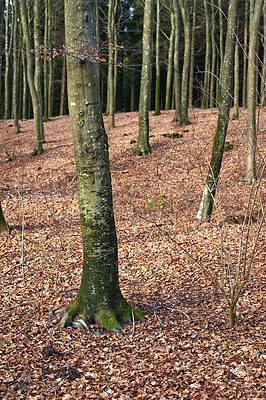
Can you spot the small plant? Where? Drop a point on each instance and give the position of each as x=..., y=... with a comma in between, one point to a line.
x=156, y=202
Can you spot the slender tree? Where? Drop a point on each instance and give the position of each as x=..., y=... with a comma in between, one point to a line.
x=8, y=46
x=143, y=146
x=157, y=63
x=47, y=62
x=15, y=67
x=1, y=54
x=177, y=89
x=251, y=91
x=3, y=224
x=37, y=109
x=205, y=94
x=245, y=48
x=236, y=82
x=186, y=64
x=213, y=64
x=99, y=298
x=206, y=204
x=169, y=76
x=192, y=56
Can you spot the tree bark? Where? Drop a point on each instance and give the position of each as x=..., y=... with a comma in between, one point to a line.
x=169, y=76
x=1, y=53
x=8, y=45
x=63, y=86
x=37, y=125
x=15, y=68
x=244, y=84
x=236, y=81
x=157, y=62
x=186, y=64
x=192, y=56
x=213, y=67
x=143, y=146
x=251, y=92
x=177, y=89
x=3, y=224
x=205, y=94
x=206, y=205
x=99, y=298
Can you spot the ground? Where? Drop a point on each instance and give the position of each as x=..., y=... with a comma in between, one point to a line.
x=183, y=349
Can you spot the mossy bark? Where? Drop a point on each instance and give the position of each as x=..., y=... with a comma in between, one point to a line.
x=143, y=146
x=99, y=298
x=207, y=200
x=3, y=224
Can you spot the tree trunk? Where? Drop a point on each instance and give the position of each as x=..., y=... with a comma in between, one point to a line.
x=99, y=298
x=132, y=91
x=110, y=78
x=205, y=94
x=157, y=61
x=47, y=62
x=15, y=68
x=37, y=56
x=143, y=146
x=37, y=125
x=25, y=84
x=63, y=85
x=3, y=224
x=186, y=64
x=1, y=53
x=169, y=76
x=263, y=83
x=236, y=81
x=206, y=205
x=177, y=90
x=213, y=68
x=251, y=93
x=192, y=56
x=244, y=85
x=8, y=45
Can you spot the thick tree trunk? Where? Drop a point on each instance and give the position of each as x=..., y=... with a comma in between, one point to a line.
x=251, y=93
x=206, y=205
x=186, y=64
x=143, y=146
x=157, y=61
x=169, y=76
x=99, y=298
x=3, y=224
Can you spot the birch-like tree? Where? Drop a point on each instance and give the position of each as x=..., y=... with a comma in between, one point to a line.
x=207, y=200
x=99, y=298
x=143, y=146
x=157, y=110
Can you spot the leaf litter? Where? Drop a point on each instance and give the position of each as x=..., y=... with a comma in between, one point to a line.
x=183, y=349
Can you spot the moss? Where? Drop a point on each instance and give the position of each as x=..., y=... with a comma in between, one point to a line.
x=142, y=152
x=228, y=146
x=107, y=319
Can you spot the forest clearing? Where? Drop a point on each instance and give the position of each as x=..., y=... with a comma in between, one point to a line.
x=183, y=348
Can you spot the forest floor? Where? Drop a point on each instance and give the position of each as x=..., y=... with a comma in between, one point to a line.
x=184, y=348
